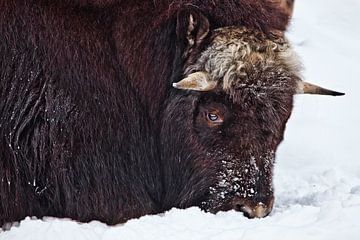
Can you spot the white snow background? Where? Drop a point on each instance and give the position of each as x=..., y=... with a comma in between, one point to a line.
x=317, y=175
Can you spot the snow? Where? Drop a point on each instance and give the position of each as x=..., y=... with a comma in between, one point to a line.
x=317, y=175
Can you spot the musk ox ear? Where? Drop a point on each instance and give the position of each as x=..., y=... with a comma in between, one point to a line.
x=197, y=81
x=192, y=29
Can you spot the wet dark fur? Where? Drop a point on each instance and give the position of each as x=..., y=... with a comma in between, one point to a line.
x=86, y=123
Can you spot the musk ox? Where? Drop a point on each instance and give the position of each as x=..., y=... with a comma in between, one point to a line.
x=110, y=109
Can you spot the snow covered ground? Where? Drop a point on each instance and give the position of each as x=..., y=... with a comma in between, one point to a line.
x=317, y=175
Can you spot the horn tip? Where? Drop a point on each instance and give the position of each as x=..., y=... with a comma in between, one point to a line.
x=338, y=94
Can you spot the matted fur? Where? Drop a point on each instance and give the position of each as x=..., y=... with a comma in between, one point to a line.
x=234, y=53
x=90, y=128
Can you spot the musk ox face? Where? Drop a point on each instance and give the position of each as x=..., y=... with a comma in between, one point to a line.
x=241, y=139
x=242, y=87
x=234, y=99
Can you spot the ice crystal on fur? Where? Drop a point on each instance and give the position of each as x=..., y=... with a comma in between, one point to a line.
x=238, y=177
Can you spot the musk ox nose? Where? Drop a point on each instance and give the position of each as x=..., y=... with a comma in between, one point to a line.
x=253, y=209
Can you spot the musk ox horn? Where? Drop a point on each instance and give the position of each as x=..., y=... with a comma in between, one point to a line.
x=308, y=88
x=197, y=81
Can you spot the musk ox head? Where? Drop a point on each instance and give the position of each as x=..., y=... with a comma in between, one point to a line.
x=234, y=97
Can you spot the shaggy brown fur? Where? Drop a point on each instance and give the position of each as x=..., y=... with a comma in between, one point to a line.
x=89, y=126
x=235, y=53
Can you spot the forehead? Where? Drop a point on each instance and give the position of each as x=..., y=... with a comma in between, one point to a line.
x=243, y=60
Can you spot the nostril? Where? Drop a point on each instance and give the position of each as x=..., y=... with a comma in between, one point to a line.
x=238, y=204
x=252, y=209
x=240, y=207
x=248, y=212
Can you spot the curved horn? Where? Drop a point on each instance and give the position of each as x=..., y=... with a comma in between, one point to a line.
x=198, y=81
x=308, y=88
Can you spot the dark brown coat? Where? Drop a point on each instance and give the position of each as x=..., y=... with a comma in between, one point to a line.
x=86, y=124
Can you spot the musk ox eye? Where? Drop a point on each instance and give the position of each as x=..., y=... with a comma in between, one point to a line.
x=214, y=118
